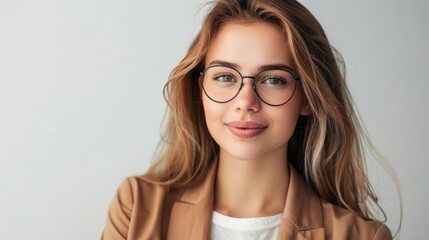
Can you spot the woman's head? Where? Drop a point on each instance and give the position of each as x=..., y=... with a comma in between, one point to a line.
x=324, y=146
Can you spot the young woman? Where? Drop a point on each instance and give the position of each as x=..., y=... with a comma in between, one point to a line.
x=262, y=141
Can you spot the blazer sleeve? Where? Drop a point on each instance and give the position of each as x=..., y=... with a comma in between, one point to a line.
x=383, y=233
x=119, y=214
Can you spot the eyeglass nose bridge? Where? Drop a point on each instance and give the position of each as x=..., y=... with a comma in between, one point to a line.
x=253, y=85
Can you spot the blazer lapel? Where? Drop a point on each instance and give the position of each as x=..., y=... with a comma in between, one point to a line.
x=191, y=213
x=302, y=215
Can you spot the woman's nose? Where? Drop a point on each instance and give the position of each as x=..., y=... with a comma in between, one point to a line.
x=247, y=99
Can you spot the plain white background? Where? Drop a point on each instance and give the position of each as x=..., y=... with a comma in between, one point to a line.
x=81, y=101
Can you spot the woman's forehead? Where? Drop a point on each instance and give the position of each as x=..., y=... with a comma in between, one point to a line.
x=249, y=45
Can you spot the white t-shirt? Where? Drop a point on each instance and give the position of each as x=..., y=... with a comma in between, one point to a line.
x=261, y=228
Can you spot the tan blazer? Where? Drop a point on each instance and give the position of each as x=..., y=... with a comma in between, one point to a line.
x=142, y=210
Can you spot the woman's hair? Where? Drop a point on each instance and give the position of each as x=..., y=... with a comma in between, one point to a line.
x=326, y=147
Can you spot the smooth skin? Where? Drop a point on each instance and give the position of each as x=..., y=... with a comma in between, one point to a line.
x=252, y=169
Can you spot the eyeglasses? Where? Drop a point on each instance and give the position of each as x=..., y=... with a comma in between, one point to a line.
x=274, y=86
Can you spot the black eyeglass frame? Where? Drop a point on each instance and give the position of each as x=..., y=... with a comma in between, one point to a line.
x=287, y=69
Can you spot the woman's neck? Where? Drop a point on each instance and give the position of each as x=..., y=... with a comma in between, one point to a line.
x=251, y=188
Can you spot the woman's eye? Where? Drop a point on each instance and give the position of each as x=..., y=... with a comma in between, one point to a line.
x=274, y=81
x=224, y=78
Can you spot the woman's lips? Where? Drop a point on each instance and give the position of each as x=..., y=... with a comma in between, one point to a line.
x=246, y=129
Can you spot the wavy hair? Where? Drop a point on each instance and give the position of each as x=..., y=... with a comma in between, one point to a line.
x=326, y=147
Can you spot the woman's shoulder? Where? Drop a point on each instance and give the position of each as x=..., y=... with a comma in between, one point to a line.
x=136, y=199
x=344, y=223
x=307, y=210
x=137, y=188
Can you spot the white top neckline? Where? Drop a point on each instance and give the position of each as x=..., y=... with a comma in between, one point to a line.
x=243, y=224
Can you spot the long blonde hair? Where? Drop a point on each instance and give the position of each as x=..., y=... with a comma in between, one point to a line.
x=326, y=147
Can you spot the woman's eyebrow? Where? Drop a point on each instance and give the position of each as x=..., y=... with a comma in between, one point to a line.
x=225, y=63
x=260, y=68
x=274, y=66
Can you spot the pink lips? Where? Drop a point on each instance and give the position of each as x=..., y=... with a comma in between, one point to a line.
x=246, y=129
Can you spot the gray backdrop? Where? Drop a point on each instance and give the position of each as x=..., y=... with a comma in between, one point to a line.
x=81, y=101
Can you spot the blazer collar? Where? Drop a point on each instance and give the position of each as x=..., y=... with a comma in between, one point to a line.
x=191, y=213
x=203, y=190
x=302, y=216
x=303, y=207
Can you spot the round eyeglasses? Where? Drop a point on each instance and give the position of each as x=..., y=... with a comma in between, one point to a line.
x=274, y=86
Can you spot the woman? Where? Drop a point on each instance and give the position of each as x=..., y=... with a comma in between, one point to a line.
x=262, y=141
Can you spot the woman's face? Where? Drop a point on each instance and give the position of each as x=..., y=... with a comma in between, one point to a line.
x=245, y=127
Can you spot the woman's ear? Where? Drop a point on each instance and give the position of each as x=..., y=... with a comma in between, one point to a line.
x=200, y=81
x=305, y=108
x=199, y=75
